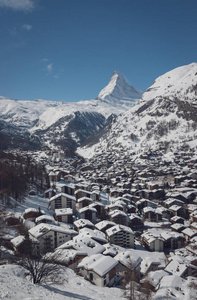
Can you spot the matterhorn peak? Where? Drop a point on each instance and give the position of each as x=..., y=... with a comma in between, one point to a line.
x=118, y=89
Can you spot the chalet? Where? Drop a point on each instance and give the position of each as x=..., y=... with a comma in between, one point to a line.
x=177, y=210
x=18, y=244
x=131, y=209
x=66, y=257
x=54, y=176
x=85, y=244
x=178, y=227
x=171, y=201
x=193, y=216
x=32, y=213
x=152, y=240
x=177, y=219
x=140, y=204
x=83, y=201
x=104, y=225
x=68, y=189
x=153, y=185
x=69, y=178
x=122, y=203
x=81, y=223
x=12, y=220
x=135, y=222
x=189, y=233
x=114, y=206
x=154, y=277
x=119, y=217
x=50, y=236
x=86, y=186
x=121, y=235
x=116, y=193
x=88, y=213
x=98, y=269
x=177, y=266
x=94, y=234
x=193, y=225
x=173, y=240
x=94, y=195
x=62, y=201
x=151, y=214
x=151, y=263
x=45, y=219
x=50, y=193
x=64, y=215
x=128, y=260
x=100, y=209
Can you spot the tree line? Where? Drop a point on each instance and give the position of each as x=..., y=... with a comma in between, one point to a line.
x=18, y=175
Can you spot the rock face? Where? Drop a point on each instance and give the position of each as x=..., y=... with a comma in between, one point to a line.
x=165, y=117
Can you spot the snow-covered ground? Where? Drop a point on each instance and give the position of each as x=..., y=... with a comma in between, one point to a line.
x=15, y=286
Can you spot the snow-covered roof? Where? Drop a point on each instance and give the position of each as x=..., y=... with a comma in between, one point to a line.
x=98, y=263
x=84, y=198
x=63, y=211
x=81, y=210
x=189, y=232
x=118, y=228
x=17, y=241
x=129, y=258
x=83, y=243
x=45, y=217
x=82, y=223
x=103, y=224
x=64, y=195
x=43, y=228
x=94, y=234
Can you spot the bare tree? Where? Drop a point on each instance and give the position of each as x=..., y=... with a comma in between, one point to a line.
x=129, y=282
x=133, y=289
x=40, y=270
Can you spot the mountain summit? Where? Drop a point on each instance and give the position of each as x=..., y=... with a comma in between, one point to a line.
x=118, y=89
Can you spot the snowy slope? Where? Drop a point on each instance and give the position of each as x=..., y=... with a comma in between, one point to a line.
x=15, y=286
x=163, y=117
x=180, y=82
x=23, y=113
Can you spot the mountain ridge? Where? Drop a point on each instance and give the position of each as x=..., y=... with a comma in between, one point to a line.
x=163, y=116
x=54, y=123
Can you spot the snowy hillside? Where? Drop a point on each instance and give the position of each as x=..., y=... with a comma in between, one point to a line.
x=166, y=116
x=14, y=285
x=180, y=82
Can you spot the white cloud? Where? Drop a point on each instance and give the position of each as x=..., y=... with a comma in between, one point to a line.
x=49, y=67
x=24, y=5
x=27, y=27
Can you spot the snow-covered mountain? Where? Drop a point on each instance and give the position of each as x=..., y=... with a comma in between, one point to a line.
x=165, y=117
x=119, y=90
x=63, y=124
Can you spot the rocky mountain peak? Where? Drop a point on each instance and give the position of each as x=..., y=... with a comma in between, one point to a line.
x=118, y=89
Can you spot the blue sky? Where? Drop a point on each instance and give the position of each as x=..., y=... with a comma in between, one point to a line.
x=68, y=49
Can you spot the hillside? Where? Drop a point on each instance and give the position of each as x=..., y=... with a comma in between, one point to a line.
x=165, y=117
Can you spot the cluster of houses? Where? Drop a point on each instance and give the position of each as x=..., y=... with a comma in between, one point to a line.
x=113, y=215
